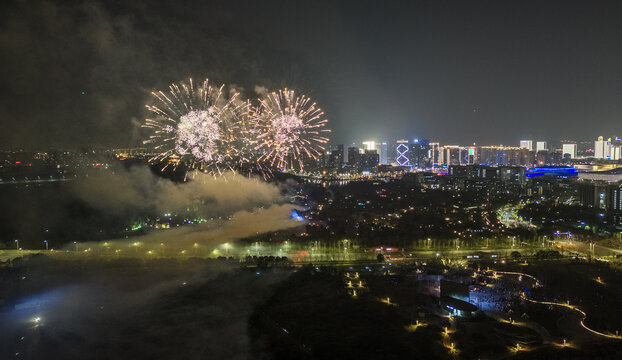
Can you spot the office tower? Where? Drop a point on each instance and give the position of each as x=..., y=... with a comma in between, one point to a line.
x=334, y=160
x=435, y=154
x=513, y=156
x=601, y=195
x=419, y=153
x=542, y=158
x=468, y=155
x=526, y=144
x=402, y=150
x=369, y=160
x=452, y=155
x=340, y=156
x=353, y=155
x=487, y=155
x=526, y=157
x=384, y=153
x=541, y=146
x=369, y=145
x=602, y=148
x=501, y=157
x=570, y=149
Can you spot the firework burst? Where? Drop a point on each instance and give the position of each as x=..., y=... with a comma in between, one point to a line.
x=288, y=129
x=199, y=123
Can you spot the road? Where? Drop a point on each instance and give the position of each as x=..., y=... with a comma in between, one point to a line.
x=584, y=248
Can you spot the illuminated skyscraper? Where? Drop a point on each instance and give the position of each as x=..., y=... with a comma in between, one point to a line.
x=435, y=154
x=451, y=155
x=541, y=146
x=384, y=153
x=402, y=150
x=468, y=155
x=419, y=153
x=369, y=145
x=569, y=149
x=602, y=148
x=526, y=144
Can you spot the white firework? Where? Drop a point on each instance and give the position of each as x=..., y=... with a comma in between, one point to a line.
x=200, y=124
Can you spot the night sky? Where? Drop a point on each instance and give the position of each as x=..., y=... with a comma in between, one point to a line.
x=455, y=71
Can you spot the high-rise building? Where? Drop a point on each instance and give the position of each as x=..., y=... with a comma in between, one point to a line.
x=402, y=150
x=526, y=144
x=384, y=153
x=526, y=157
x=435, y=154
x=541, y=146
x=353, y=155
x=487, y=155
x=341, y=156
x=542, y=158
x=369, y=160
x=468, y=155
x=334, y=159
x=451, y=155
x=513, y=156
x=602, y=148
x=602, y=195
x=419, y=153
x=369, y=145
x=570, y=149
x=501, y=157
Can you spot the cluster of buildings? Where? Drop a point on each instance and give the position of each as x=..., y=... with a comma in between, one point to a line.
x=421, y=154
x=602, y=190
x=593, y=169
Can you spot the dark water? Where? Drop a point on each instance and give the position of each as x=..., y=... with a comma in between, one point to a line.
x=51, y=211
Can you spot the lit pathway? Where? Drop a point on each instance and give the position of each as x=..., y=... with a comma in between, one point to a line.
x=582, y=313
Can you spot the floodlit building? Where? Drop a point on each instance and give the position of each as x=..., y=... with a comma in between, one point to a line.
x=541, y=146
x=602, y=148
x=570, y=149
x=369, y=145
x=526, y=144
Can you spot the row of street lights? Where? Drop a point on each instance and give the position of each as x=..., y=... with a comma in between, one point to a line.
x=47, y=245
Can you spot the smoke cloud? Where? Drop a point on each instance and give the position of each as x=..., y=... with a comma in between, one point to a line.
x=235, y=207
x=196, y=240
x=139, y=189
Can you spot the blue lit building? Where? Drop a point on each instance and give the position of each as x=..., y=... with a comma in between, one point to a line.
x=560, y=172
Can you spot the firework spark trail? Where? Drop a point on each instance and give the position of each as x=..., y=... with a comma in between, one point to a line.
x=198, y=121
x=218, y=134
x=288, y=129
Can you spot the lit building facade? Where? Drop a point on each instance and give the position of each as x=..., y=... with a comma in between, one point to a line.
x=570, y=149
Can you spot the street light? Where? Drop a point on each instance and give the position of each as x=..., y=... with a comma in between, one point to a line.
x=46, y=245
x=16, y=244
